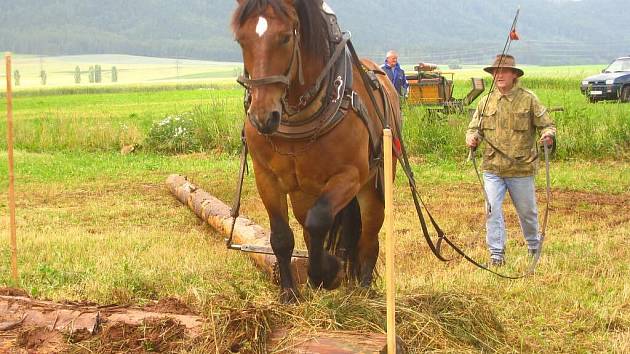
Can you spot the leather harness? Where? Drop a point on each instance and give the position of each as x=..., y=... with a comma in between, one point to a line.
x=330, y=98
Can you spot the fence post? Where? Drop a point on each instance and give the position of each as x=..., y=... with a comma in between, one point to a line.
x=12, y=232
x=390, y=277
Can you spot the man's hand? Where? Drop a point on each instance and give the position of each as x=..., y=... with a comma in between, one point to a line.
x=546, y=139
x=472, y=141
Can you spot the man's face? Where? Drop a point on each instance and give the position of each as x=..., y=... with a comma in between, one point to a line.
x=504, y=79
x=392, y=60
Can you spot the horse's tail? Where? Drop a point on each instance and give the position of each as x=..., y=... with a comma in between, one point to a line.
x=343, y=237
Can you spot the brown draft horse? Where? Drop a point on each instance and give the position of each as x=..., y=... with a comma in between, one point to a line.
x=329, y=172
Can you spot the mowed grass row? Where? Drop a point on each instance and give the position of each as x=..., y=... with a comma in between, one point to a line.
x=109, y=120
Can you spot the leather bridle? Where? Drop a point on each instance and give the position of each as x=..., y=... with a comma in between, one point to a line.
x=285, y=79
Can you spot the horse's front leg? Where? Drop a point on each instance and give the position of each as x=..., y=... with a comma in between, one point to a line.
x=324, y=268
x=282, y=241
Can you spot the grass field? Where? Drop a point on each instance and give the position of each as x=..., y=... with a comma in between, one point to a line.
x=95, y=225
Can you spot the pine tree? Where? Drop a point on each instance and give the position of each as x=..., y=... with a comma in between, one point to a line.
x=97, y=73
x=77, y=75
x=16, y=77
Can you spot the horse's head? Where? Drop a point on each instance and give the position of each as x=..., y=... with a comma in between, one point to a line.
x=267, y=31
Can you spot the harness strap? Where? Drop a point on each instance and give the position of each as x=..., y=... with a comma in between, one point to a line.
x=419, y=204
x=543, y=230
x=285, y=79
x=280, y=79
x=236, y=202
x=473, y=158
x=324, y=73
x=359, y=107
x=366, y=82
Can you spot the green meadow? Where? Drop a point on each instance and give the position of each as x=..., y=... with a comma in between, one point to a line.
x=100, y=226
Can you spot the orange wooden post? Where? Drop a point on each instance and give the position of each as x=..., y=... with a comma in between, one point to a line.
x=390, y=277
x=12, y=236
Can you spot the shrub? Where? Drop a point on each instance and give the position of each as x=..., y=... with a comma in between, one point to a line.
x=174, y=134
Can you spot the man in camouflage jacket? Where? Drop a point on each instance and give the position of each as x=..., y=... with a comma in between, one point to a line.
x=508, y=120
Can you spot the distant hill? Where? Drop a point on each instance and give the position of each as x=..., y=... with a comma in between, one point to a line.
x=464, y=31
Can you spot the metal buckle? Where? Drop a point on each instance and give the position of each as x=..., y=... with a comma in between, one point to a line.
x=337, y=84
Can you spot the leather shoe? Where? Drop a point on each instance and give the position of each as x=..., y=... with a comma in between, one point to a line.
x=532, y=252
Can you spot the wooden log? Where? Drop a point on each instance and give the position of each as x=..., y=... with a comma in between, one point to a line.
x=17, y=311
x=337, y=342
x=217, y=214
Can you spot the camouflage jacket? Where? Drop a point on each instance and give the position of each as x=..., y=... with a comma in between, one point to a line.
x=509, y=123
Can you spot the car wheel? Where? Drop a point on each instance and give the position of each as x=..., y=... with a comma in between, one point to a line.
x=625, y=94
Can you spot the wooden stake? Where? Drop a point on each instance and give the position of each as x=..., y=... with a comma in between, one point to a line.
x=12, y=236
x=389, y=243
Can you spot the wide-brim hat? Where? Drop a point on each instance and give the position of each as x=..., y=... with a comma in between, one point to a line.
x=504, y=61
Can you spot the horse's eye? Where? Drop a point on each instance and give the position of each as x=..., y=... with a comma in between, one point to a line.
x=285, y=39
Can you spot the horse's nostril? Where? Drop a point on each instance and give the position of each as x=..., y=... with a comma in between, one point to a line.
x=272, y=123
x=275, y=117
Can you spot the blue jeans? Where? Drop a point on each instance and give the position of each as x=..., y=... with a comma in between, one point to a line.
x=523, y=194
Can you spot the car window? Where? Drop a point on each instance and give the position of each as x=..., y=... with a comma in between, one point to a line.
x=619, y=65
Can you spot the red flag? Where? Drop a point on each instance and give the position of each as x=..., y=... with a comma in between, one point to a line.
x=514, y=35
x=397, y=147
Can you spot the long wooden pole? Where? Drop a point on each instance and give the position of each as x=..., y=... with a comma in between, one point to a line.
x=390, y=277
x=12, y=232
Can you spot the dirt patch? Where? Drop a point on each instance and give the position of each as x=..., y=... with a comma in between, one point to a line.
x=41, y=340
x=576, y=198
x=170, y=305
x=155, y=335
x=13, y=292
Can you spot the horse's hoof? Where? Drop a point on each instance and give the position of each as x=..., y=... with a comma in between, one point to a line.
x=333, y=274
x=370, y=293
x=288, y=296
x=315, y=281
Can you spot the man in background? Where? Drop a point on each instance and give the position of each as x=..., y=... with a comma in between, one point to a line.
x=395, y=73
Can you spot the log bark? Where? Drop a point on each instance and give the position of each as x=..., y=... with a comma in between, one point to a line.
x=17, y=311
x=217, y=214
x=337, y=342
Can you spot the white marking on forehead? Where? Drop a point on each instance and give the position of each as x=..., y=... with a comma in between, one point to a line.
x=262, y=26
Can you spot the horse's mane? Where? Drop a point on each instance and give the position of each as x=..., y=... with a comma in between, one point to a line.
x=313, y=26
